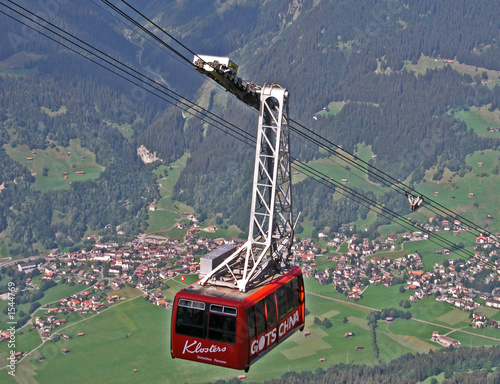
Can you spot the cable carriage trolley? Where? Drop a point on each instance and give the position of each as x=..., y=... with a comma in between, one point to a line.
x=249, y=298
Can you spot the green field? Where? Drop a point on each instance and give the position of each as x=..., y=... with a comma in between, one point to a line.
x=61, y=291
x=169, y=212
x=480, y=181
x=125, y=129
x=425, y=63
x=337, y=168
x=333, y=108
x=57, y=161
x=453, y=193
x=18, y=60
x=106, y=354
x=162, y=221
x=480, y=119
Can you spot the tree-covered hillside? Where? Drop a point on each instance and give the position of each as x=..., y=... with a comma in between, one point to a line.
x=49, y=98
x=359, y=54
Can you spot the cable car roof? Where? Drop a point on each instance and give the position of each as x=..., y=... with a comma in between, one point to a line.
x=234, y=294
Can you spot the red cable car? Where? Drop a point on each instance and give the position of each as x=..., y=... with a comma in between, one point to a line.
x=233, y=329
x=243, y=307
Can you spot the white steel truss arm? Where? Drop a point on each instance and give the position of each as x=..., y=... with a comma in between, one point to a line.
x=270, y=235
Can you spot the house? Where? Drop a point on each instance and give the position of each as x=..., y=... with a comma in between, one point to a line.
x=354, y=295
x=481, y=240
x=26, y=267
x=112, y=299
x=493, y=303
x=479, y=316
x=448, y=341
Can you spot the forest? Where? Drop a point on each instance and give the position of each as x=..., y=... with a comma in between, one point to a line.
x=347, y=52
x=464, y=365
x=411, y=112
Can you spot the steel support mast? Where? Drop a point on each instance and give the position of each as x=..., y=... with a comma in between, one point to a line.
x=268, y=248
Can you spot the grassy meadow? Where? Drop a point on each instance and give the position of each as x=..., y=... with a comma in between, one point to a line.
x=425, y=63
x=333, y=108
x=135, y=334
x=168, y=212
x=480, y=119
x=162, y=221
x=57, y=161
x=340, y=168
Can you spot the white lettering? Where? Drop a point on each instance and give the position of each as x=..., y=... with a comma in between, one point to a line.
x=220, y=361
x=288, y=324
x=195, y=347
x=264, y=341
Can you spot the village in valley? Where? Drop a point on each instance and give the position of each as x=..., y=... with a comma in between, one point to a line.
x=347, y=262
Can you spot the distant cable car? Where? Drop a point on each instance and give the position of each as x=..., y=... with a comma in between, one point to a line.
x=415, y=201
x=233, y=329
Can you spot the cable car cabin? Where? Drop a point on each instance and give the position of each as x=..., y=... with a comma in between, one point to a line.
x=233, y=329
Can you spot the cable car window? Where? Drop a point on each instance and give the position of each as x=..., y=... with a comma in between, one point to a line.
x=289, y=296
x=222, y=328
x=221, y=309
x=251, y=323
x=230, y=311
x=261, y=317
x=280, y=295
x=190, y=318
x=271, y=311
x=216, y=308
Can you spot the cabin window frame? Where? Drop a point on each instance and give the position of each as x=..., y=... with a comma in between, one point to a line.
x=190, y=319
x=222, y=324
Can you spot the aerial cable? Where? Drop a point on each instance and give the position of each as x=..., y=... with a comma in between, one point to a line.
x=146, y=36
x=303, y=166
x=382, y=210
x=389, y=180
x=375, y=186
x=418, y=212
x=386, y=179
x=139, y=76
x=119, y=11
x=310, y=143
x=371, y=170
x=189, y=107
x=194, y=54
x=343, y=157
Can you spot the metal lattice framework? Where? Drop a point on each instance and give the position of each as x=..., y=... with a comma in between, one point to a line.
x=270, y=236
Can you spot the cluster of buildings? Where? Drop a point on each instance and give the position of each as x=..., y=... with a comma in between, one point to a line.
x=92, y=301
x=348, y=262
x=450, y=280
